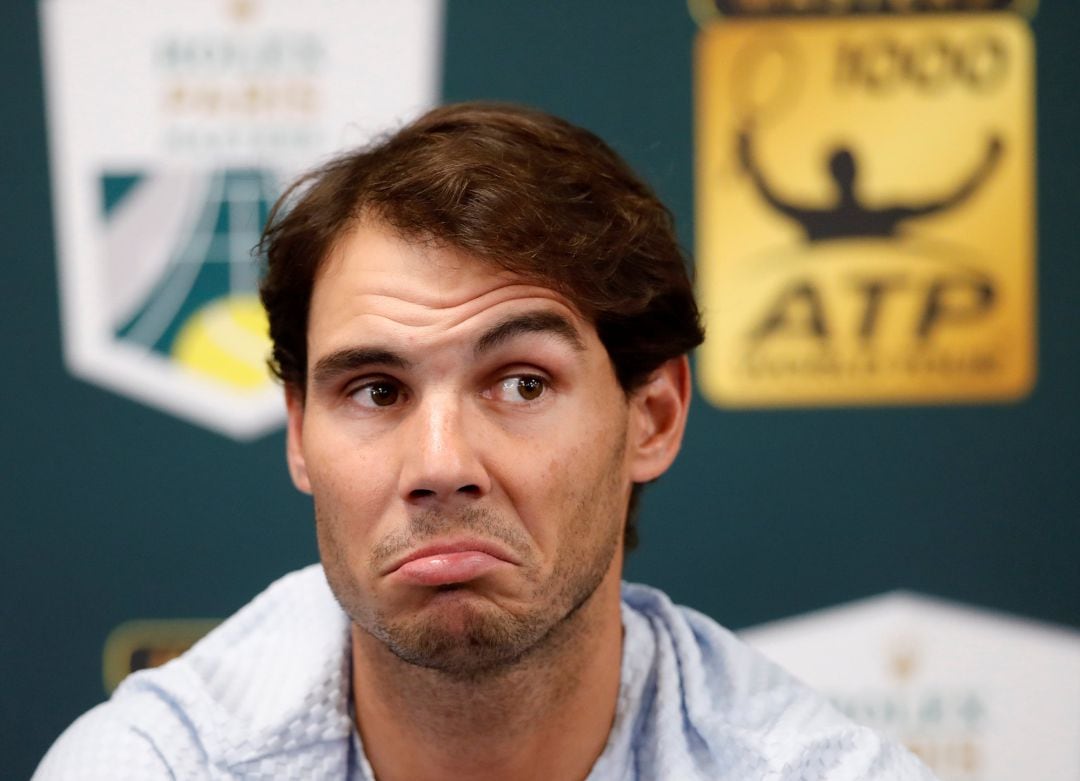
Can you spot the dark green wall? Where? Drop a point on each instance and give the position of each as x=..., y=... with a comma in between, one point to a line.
x=111, y=510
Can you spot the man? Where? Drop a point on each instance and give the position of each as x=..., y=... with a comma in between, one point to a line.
x=481, y=323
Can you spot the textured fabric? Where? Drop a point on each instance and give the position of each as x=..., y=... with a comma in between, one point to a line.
x=266, y=696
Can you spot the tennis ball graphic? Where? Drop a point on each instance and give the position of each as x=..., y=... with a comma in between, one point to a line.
x=227, y=341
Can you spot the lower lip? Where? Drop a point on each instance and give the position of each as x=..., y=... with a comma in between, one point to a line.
x=443, y=569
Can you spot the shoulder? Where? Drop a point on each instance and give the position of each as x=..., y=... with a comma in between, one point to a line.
x=103, y=744
x=268, y=676
x=737, y=713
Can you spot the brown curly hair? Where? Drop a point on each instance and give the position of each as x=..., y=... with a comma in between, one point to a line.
x=520, y=189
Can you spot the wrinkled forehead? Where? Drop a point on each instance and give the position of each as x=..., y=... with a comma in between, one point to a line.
x=377, y=280
x=372, y=258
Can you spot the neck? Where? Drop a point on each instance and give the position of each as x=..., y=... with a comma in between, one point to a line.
x=547, y=716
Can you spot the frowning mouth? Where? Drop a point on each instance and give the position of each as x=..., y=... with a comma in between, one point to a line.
x=444, y=563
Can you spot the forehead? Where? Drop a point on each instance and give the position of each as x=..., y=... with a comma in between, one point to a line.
x=375, y=282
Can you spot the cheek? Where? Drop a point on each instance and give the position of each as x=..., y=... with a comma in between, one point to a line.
x=539, y=485
x=571, y=495
x=351, y=488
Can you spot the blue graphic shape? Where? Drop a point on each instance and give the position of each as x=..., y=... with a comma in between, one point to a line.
x=214, y=260
x=115, y=188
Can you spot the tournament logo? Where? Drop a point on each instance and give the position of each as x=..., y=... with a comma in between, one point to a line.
x=977, y=695
x=865, y=209
x=173, y=128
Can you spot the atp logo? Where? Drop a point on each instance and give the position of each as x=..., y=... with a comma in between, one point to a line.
x=800, y=304
x=865, y=209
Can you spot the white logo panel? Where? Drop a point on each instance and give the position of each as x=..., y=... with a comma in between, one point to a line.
x=977, y=695
x=173, y=128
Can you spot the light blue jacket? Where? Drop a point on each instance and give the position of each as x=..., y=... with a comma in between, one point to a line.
x=266, y=696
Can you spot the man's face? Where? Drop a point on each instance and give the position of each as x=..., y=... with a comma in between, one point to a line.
x=469, y=451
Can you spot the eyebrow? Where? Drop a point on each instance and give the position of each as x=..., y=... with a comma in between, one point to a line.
x=352, y=358
x=531, y=323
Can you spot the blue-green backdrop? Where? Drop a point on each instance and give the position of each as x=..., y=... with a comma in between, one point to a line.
x=111, y=510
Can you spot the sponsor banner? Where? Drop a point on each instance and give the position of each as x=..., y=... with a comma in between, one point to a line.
x=865, y=209
x=979, y=696
x=704, y=10
x=173, y=128
x=141, y=644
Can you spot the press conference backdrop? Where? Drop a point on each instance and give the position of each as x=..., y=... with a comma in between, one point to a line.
x=882, y=214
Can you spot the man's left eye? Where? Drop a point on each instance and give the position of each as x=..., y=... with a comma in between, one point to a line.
x=521, y=388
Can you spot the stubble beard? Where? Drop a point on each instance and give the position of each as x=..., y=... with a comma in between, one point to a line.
x=482, y=639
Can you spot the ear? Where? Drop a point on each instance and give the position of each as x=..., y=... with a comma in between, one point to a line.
x=294, y=439
x=658, y=412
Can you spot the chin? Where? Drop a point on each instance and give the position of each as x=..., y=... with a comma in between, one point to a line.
x=463, y=635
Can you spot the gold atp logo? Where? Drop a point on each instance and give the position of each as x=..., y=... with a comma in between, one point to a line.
x=864, y=209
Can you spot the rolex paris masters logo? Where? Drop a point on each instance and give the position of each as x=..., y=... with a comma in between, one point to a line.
x=176, y=292
x=173, y=128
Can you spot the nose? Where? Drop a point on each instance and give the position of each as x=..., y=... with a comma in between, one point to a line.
x=441, y=463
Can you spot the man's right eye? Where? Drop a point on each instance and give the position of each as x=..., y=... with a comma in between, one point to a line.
x=380, y=393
